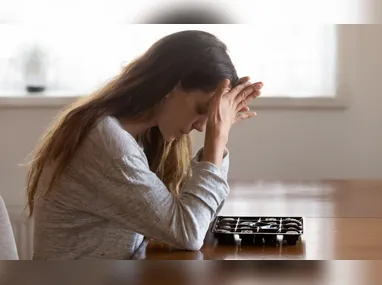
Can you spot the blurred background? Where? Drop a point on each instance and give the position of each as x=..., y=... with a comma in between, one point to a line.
x=320, y=115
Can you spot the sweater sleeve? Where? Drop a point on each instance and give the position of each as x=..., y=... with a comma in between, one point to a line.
x=225, y=163
x=135, y=197
x=223, y=169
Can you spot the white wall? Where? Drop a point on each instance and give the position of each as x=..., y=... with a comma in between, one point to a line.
x=278, y=143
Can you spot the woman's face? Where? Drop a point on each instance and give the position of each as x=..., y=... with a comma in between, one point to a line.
x=183, y=112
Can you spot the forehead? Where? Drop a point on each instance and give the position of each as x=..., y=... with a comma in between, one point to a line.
x=200, y=99
x=202, y=95
x=206, y=95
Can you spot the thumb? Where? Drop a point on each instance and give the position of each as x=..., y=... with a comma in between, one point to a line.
x=244, y=109
x=244, y=116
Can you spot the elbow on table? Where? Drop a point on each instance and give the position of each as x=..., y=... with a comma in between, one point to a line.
x=192, y=234
x=194, y=244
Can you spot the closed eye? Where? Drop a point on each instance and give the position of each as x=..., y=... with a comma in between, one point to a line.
x=202, y=109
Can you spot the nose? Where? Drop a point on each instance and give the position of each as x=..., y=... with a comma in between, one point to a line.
x=200, y=124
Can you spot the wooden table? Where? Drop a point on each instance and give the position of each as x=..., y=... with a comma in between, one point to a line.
x=191, y=272
x=342, y=220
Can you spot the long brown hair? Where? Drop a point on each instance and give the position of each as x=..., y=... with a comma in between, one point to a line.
x=195, y=59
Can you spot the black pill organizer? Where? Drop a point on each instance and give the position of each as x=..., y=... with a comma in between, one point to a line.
x=258, y=230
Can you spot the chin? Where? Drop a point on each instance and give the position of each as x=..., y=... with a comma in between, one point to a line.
x=168, y=138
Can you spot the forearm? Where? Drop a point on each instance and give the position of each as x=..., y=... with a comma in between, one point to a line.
x=135, y=192
x=214, y=148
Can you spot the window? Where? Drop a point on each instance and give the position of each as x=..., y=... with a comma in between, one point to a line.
x=294, y=61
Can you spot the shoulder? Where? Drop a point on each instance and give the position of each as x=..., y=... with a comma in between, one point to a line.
x=110, y=137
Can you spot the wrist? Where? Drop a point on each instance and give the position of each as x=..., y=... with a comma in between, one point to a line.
x=214, y=150
x=216, y=136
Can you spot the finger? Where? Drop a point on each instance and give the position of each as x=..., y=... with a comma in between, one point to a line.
x=237, y=89
x=258, y=85
x=244, y=116
x=247, y=90
x=244, y=79
x=244, y=103
x=247, y=95
x=241, y=98
x=252, y=96
x=242, y=106
x=244, y=109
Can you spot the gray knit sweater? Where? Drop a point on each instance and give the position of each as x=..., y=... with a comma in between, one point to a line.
x=108, y=200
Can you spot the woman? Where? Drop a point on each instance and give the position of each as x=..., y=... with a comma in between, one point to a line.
x=116, y=166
